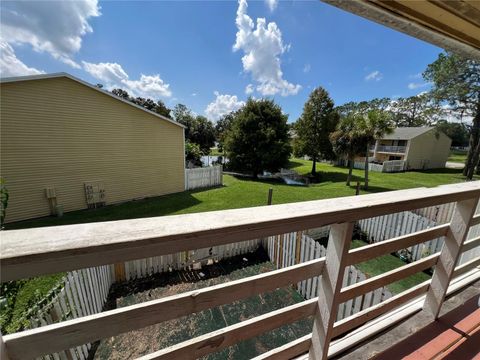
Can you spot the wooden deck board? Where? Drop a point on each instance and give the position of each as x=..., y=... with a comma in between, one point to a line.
x=455, y=335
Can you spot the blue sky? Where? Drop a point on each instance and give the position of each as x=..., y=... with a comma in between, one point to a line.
x=191, y=52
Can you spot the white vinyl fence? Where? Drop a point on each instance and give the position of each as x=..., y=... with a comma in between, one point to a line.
x=388, y=226
x=83, y=292
x=385, y=227
x=296, y=247
x=205, y=177
x=389, y=166
x=193, y=259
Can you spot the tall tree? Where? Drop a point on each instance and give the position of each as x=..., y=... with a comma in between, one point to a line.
x=413, y=111
x=456, y=80
x=258, y=139
x=458, y=132
x=348, y=141
x=183, y=115
x=203, y=134
x=162, y=109
x=373, y=126
x=312, y=130
x=158, y=107
x=222, y=127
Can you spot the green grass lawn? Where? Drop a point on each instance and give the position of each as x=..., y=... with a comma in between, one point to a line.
x=241, y=192
x=457, y=156
x=385, y=263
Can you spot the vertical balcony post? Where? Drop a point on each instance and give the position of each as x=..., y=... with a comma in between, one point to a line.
x=451, y=250
x=330, y=286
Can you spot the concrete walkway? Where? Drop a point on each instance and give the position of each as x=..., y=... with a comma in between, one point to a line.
x=454, y=165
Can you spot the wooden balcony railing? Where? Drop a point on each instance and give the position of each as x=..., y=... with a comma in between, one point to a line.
x=32, y=252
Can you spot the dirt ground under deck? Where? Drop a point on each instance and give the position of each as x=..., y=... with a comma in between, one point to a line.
x=143, y=341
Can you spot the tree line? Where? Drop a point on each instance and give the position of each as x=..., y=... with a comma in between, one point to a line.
x=257, y=137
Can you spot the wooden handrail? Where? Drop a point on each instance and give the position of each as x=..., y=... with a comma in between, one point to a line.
x=33, y=252
x=49, y=339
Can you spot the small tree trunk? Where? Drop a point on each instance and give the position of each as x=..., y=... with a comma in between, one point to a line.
x=474, y=161
x=472, y=145
x=366, y=166
x=350, y=169
x=314, y=166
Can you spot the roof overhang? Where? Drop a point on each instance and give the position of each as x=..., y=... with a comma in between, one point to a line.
x=453, y=25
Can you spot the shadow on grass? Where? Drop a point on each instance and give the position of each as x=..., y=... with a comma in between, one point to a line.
x=149, y=207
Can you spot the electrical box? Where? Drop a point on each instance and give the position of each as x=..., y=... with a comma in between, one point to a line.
x=95, y=194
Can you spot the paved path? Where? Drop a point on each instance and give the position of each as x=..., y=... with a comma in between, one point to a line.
x=454, y=165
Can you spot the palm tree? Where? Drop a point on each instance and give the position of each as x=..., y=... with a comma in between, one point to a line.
x=348, y=140
x=373, y=126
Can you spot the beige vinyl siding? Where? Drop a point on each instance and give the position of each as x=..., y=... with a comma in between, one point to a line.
x=60, y=133
x=428, y=151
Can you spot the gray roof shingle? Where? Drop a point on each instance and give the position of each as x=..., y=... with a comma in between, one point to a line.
x=407, y=133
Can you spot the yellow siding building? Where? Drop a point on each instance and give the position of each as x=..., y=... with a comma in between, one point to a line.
x=68, y=145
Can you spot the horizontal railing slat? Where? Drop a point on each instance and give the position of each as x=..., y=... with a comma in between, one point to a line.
x=368, y=252
x=381, y=280
x=51, y=338
x=475, y=220
x=360, y=318
x=367, y=329
x=289, y=350
x=33, y=252
x=230, y=335
x=469, y=265
x=470, y=244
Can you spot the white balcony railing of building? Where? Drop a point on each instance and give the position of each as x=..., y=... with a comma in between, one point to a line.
x=33, y=252
x=390, y=149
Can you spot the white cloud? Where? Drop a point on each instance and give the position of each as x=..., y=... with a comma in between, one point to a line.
x=374, y=75
x=307, y=68
x=114, y=76
x=194, y=94
x=249, y=89
x=415, y=76
x=110, y=73
x=272, y=4
x=10, y=65
x=413, y=86
x=222, y=105
x=262, y=46
x=55, y=27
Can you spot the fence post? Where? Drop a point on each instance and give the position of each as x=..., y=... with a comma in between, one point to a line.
x=331, y=283
x=270, y=192
x=451, y=249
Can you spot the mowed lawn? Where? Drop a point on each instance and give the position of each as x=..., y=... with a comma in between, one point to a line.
x=242, y=192
x=458, y=156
